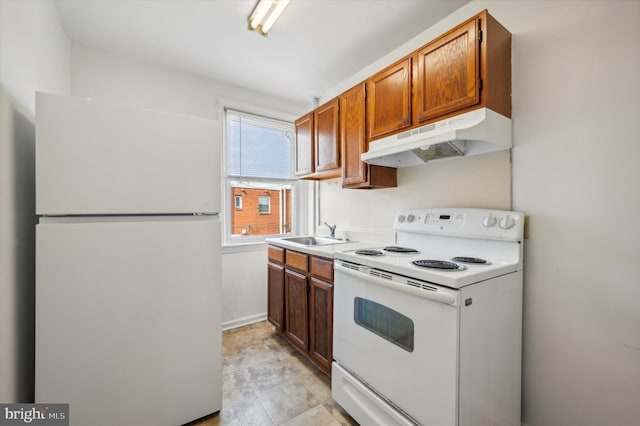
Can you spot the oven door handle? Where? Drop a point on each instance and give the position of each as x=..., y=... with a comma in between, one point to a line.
x=439, y=295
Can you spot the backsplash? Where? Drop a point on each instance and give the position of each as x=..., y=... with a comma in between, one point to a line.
x=478, y=181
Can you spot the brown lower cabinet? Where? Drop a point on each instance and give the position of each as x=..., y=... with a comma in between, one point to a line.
x=275, y=295
x=296, y=310
x=300, y=305
x=321, y=323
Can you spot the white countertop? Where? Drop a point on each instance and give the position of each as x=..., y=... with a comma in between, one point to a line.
x=323, y=251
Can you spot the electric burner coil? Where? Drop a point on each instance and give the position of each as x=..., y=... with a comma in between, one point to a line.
x=437, y=264
x=396, y=249
x=367, y=252
x=474, y=260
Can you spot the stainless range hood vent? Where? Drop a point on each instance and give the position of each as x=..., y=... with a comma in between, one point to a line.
x=471, y=133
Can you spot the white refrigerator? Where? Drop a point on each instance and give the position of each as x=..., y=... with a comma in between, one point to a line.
x=128, y=311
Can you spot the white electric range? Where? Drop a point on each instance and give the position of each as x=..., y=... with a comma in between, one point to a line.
x=429, y=331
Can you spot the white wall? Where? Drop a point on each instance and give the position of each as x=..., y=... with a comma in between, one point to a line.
x=476, y=181
x=112, y=78
x=34, y=56
x=577, y=100
x=576, y=107
x=34, y=49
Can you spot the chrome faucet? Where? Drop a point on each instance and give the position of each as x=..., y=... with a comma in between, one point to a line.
x=332, y=230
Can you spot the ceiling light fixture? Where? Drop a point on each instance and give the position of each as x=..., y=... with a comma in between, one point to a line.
x=264, y=15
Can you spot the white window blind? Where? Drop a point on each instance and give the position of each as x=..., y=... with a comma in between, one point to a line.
x=259, y=147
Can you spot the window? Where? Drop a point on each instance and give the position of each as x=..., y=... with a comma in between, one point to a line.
x=264, y=204
x=259, y=177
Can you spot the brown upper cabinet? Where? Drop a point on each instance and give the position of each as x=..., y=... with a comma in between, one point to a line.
x=317, y=143
x=389, y=99
x=448, y=76
x=466, y=68
x=327, y=144
x=355, y=172
x=304, y=145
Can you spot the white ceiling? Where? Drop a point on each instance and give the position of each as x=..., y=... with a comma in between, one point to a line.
x=315, y=44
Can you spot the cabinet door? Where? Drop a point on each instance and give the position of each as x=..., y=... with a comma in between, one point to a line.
x=304, y=145
x=296, y=315
x=275, y=295
x=355, y=172
x=389, y=99
x=352, y=136
x=447, y=77
x=321, y=323
x=327, y=147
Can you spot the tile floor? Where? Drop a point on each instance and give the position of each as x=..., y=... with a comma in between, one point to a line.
x=267, y=382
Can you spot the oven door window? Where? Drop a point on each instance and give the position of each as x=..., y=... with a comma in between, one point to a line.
x=385, y=322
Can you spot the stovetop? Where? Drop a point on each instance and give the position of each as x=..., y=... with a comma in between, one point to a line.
x=468, y=245
x=467, y=273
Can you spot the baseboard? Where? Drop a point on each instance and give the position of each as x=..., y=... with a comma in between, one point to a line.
x=239, y=322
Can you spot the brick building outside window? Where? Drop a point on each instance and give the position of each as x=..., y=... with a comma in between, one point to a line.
x=260, y=211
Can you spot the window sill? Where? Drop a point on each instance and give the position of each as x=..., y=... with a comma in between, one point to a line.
x=244, y=247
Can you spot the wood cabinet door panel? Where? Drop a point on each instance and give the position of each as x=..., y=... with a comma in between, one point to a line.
x=326, y=134
x=448, y=73
x=296, y=315
x=389, y=100
x=355, y=172
x=321, y=323
x=353, y=136
x=275, y=295
x=304, y=145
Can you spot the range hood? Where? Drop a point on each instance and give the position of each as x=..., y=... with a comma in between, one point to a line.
x=475, y=132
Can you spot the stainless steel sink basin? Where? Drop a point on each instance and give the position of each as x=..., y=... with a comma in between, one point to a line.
x=314, y=241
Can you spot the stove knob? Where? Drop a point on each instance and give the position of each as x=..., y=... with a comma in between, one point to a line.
x=506, y=223
x=401, y=218
x=489, y=221
x=410, y=218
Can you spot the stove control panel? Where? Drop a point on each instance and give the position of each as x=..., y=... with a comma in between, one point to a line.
x=472, y=223
x=445, y=219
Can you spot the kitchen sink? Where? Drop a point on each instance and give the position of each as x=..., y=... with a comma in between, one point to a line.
x=314, y=241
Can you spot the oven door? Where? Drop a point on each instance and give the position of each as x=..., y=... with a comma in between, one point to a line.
x=398, y=341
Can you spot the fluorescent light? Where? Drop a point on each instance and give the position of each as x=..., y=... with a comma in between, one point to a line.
x=271, y=19
x=265, y=15
x=260, y=12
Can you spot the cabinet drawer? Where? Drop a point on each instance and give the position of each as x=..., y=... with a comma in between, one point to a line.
x=299, y=261
x=321, y=268
x=276, y=254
